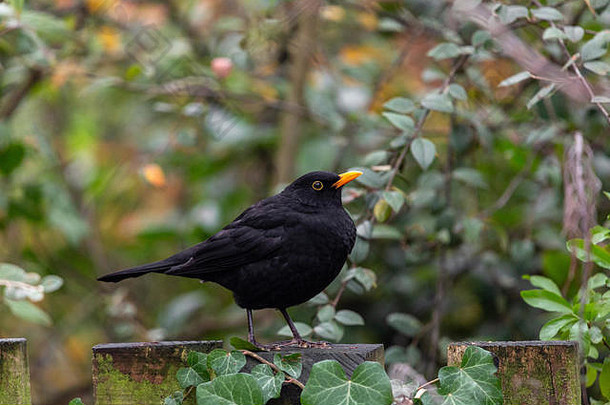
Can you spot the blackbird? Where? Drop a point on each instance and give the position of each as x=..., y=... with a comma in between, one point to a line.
x=280, y=252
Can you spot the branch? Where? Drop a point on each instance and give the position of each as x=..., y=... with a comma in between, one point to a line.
x=15, y=98
x=289, y=379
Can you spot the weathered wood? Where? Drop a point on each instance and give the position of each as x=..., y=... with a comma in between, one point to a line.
x=14, y=372
x=531, y=372
x=140, y=373
x=348, y=355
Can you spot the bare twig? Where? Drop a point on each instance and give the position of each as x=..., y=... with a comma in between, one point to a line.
x=289, y=379
x=426, y=384
x=15, y=98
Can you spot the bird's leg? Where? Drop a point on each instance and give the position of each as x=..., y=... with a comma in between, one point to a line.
x=251, y=337
x=297, y=339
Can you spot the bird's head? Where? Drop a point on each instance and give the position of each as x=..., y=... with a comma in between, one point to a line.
x=320, y=188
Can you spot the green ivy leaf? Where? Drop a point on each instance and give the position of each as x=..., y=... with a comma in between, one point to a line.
x=241, y=344
x=269, y=382
x=404, y=323
x=402, y=122
x=11, y=156
x=76, y=401
x=303, y=328
x=232, y=389
x=347, y=317
x=550, y=329
x=328, y=384
x=547, y=13
x=28, y=311
x=438, y=102
x=423, y=151
x=290, y=364
x=514, y=79
x=400, y=105
x=188, y=377
x=223, y=362
x=473, y=382
x=546, y=300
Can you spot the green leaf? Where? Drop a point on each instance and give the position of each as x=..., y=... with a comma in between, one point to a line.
x=365, y=277
x=423, y=151
x=188, y=377
x=473, y=382
x=11, y=272
x=591, y=375
x=599, y=255
x=396, y=199
x=596, y=281
x=544, y=283
x=480, y=37
x=400, y=121
x=241, y=344
x=546, y=300
x=438, y=102
x=28, y=312
x=510, y=14
x=404, y=323
x=382, y=210
x=550, y=329
x=573, y=32
x=382, y=231
x=329, y=330
x=553, y=33
x=326, y=313
x=303, y=328
x=514, y=79
x=319, y=299
x=11, y=156
x=290, y=364
x=51, y=283
x=328, y=384
x=458, y=92
x=542, y=93
x=347, y=317
x=604, y=379
x=445, y=50
x=547, y=13
x=233, y=389
x=360, y=251
x=269, y=382
x=76, y=401
x=472, y=177
x=223, y=362
x=593, y=49
x=400, y=105
x=199, y=363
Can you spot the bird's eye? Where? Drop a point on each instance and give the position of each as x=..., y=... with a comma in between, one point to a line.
x=317, y=185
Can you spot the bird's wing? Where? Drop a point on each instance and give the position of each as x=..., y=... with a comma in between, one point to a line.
x=255, y=235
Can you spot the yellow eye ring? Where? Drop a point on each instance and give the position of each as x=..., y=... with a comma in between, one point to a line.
x=317, y=185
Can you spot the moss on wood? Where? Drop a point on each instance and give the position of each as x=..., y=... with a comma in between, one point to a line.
x=14, y=372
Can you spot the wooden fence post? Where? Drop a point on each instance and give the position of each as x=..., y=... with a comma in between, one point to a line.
x=140, y=373
x=14, y=372
x=531, y=372
x=348, y=355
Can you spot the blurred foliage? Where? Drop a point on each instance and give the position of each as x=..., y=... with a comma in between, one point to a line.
x=131, y=130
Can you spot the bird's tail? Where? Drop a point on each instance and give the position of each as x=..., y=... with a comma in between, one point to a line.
x=156, y=267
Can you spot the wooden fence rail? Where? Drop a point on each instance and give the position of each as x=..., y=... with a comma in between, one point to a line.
x=14, y=372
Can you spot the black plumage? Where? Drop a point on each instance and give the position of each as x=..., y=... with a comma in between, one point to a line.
x=279, y=252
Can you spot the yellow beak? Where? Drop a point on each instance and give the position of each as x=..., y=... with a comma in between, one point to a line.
x=346, y=177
